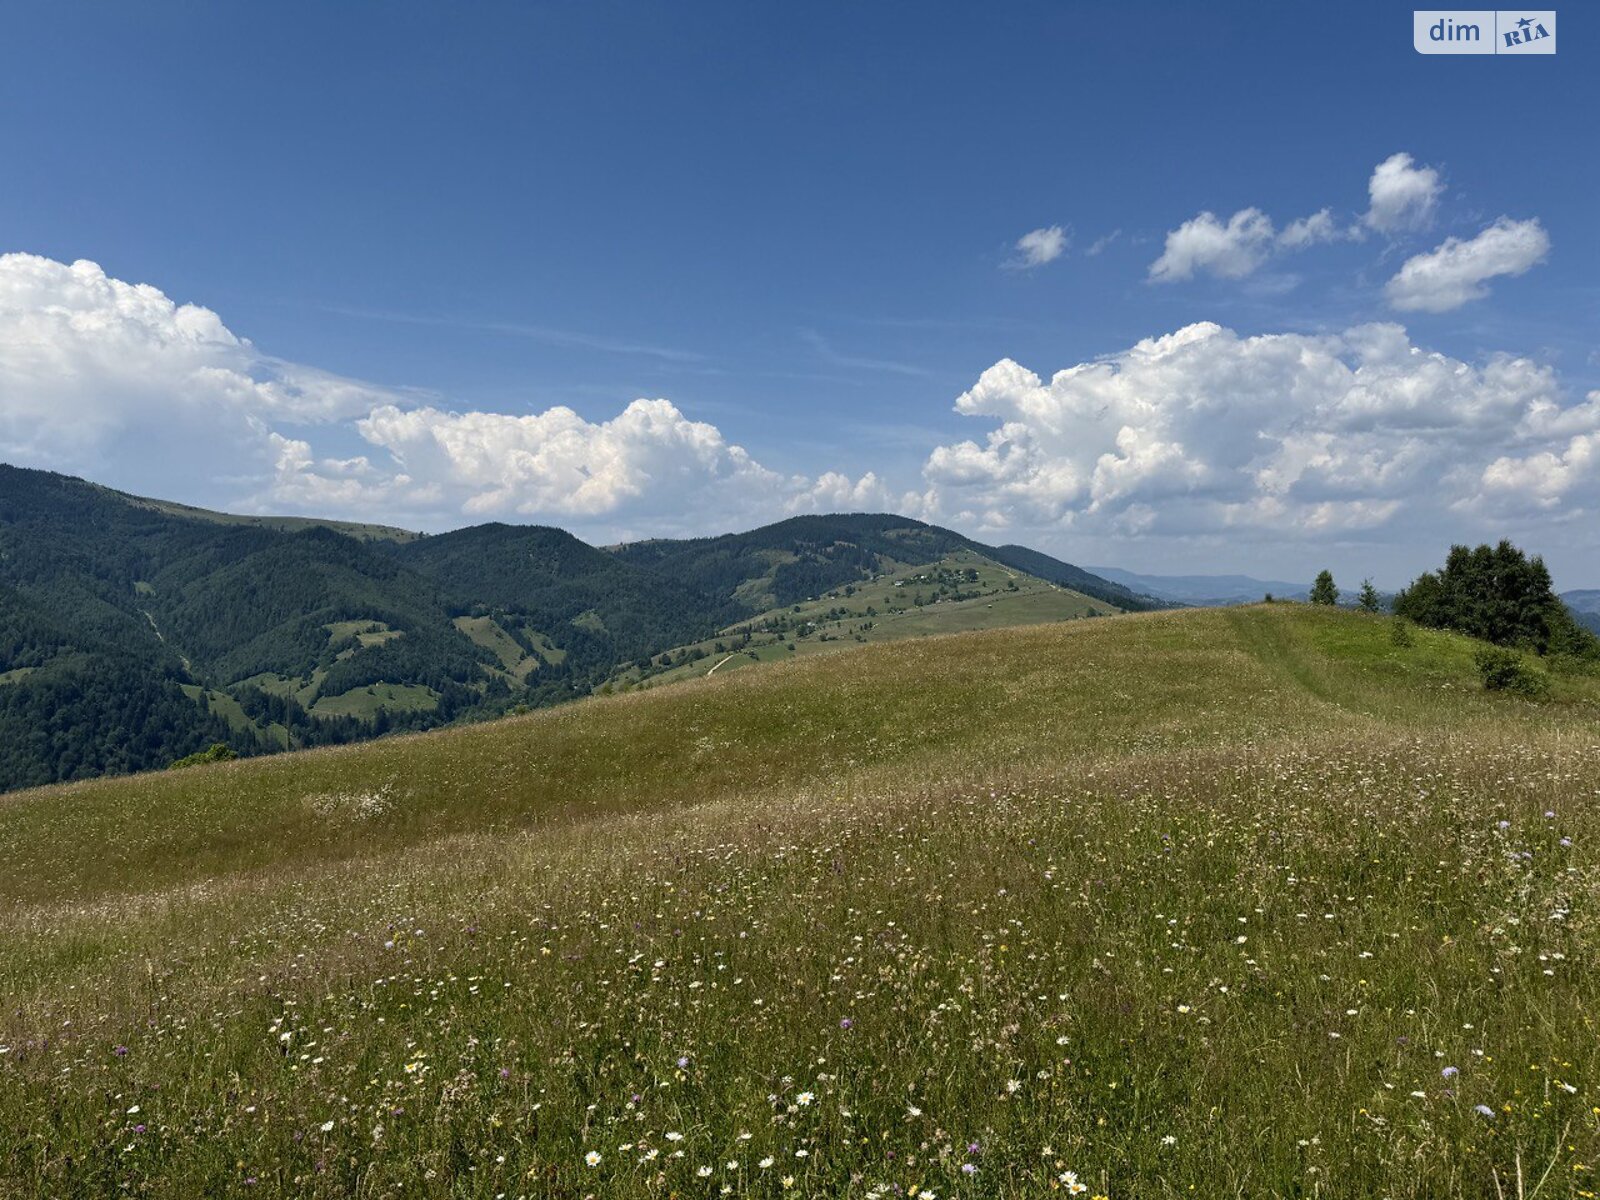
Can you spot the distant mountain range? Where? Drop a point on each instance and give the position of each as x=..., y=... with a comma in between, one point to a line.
x=1205, y=590
x=136, y=631
x=1585, y=605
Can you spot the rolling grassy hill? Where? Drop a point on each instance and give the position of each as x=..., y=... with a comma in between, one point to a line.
x=961, y=591
x=1242, y=902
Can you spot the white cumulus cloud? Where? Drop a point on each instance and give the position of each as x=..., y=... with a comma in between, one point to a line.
x=1457, y=271
x=1229, y=250
x=1308, y=231
x=649, y=468
x=1238, y=247
x=836, y=492
x=1402, y=196
x=86, y=359
x=557, y=463
x=1203, y=431
x=1544, y=480
x=1040, y=246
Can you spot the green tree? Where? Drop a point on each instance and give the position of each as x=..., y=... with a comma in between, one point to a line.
x=1500, y=595
x=1369, y=597
x=1323, y=590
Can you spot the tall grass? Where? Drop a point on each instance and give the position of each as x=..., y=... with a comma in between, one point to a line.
x=1223, y=904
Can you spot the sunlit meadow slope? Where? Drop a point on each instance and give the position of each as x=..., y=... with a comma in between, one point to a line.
x=1255, y=902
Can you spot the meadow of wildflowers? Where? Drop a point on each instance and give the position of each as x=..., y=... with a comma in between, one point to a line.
x=1243, y=903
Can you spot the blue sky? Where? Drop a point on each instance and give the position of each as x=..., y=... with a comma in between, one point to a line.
x=799, y=226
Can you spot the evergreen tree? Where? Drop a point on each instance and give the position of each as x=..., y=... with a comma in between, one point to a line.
x=1323, y=590
x=1369, y=597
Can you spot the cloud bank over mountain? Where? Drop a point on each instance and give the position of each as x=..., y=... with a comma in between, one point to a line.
x=1201, y=431
x=1196, y=432
x=95, y=371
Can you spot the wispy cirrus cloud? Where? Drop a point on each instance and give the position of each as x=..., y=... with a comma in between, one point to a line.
x=549, y=335
x=828, y=354
x=1102, y=243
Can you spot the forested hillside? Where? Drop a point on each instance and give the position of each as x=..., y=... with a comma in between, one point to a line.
x=134, y=632
x=607, y=610
x=804, y=557
x=74, y=705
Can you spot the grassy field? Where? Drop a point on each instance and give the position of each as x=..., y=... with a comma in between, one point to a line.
x=962, y=592
x=222, y=705
x=368, y=701
x=366, y=633
x=1252, y=902
x=518, y=664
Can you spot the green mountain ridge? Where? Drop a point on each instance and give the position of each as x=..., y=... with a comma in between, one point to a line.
x=1585, y=606
x=138, y=631
x=762, y=569
x=360, y=530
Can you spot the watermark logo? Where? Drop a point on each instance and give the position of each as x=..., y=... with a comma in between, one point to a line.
x=1527, y=32
x=1484, y=31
